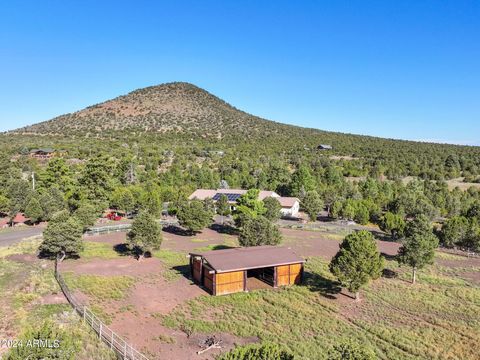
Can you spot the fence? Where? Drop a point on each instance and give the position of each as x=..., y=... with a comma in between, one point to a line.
x=123, y=349
x=123, y=227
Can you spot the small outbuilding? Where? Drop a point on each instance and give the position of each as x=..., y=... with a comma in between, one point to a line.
x=242, y=269
x=324, y=147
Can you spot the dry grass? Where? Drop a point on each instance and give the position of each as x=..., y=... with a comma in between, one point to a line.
x=437, y=318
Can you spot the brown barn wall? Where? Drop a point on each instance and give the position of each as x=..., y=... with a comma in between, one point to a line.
x=289, y=274
x=208, y=279
x=231, y=282
x=197, y=266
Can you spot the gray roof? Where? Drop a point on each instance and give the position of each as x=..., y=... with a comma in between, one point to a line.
x=45, y=150
x=245, y=258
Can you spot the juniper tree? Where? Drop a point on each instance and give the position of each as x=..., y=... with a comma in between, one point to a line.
x=86, y=214
x=145, y=235
x=393, y=224
x=357, y=262
x=194, y=216
x=259, y=231
x=312, y=204
x=418, y=249
x=62, y=236
x=272, y=208
x=34, y=210
x=223, y=207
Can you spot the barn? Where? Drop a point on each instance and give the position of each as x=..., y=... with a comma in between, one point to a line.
x=242, y=269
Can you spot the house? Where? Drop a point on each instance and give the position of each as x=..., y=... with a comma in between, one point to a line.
x=19, y=219
x=4, y=223
x=324, y=147
x=290, y=205
x=45, y=153
x=242, y=269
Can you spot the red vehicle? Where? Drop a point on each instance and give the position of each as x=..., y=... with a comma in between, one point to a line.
x=113, y=216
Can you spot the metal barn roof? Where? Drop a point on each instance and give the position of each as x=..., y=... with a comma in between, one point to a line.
x=245, y=258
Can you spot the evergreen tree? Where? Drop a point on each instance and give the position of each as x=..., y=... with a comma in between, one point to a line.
x=393, y=224
x=33, y=210
x=193, y=216
x=302, y=179
x=454, y=231
x=357, y=262
x=122, y=199
x=248, y=206
x=259, y=231
x=312, y=204
x=223, y=207
x=62, y=236
x=418, y=226
x=52, y=201
x=362, y=215
x=418, y=249
x=145, y=235
x=272, y=208
x=349, y=350
x=86, y=215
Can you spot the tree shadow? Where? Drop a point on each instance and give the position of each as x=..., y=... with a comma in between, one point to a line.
x=224, y=229
x=183, y=270
x=176, y=230
x=123, y=250
x=380, y=235
x=326, y=287
x=389, y=274
x=222, y=247
x=388, y=256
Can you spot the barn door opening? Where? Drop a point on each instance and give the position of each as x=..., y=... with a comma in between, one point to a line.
x=260, y=278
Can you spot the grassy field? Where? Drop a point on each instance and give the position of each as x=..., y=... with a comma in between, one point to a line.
x=435, y=319
x=25, y=287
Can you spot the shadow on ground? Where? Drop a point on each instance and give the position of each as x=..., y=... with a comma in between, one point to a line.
x=224, y=229
x=328, y=288
x=176, y=230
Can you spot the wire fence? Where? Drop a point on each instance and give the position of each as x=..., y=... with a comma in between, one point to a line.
x=123, y=227
x=115, y=342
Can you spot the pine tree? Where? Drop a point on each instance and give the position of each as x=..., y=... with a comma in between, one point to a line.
x=86, y=215
x=34, y=210
x=393, y=224
x=272, y=208
x=145, y=235
x=223, y=207
x=357, y=262
x=259, y=231
x=193, y=216
x=418, y=249
x=62, y=236
x=312, y=204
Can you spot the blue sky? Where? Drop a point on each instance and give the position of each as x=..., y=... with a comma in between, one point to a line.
x=402, y=69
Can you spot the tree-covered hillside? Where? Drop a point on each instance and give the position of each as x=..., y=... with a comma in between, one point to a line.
x=158, y=144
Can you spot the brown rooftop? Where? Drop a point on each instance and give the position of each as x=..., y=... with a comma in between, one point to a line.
x=245, y=258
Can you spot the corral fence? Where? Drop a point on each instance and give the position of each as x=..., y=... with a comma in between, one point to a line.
x=123, y=350
x=122, y=227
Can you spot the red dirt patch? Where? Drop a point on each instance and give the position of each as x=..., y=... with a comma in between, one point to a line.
x=312, y=243
x=24, y=258
x=147, y=334
x=171, y=240
x=158, y=296
x=125, y=265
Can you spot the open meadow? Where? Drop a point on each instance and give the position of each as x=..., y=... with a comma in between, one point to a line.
x=154, y=304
